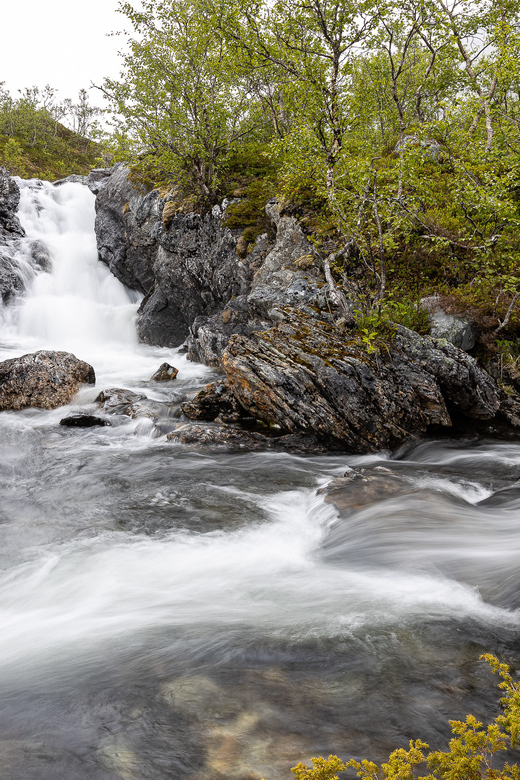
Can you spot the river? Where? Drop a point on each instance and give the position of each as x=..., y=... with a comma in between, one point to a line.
x=167, y=613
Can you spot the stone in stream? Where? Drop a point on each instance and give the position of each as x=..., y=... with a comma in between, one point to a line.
x=42, y=379
x=364, y=487
x=165, y=373
x=214, y=401
x=209, y=436
x=117, y=400
x=83, y=421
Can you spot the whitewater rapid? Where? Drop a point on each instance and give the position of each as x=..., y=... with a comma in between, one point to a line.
x=169, y=613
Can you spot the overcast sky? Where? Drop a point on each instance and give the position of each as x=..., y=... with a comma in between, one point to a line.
x=63, y=43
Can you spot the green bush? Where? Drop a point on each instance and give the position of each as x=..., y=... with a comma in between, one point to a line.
x=471, y=753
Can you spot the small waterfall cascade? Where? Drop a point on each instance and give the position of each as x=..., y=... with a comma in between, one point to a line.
x=71, y=299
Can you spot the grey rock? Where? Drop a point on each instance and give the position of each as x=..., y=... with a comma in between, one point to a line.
x=117, y=400
x=74, y=178
x=186, y=268
x=42, y=379
x=128, y=252
x=209, y=436
x=11, y=281
x=10, y=227
x=208, y=336
x=279, y=281
x=459, y=331
x=212, y=402
x=364, y=487
x=97, y=178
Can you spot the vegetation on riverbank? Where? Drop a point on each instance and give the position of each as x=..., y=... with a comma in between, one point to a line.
x=391, y=130
x=471, y=755
x=34, y=142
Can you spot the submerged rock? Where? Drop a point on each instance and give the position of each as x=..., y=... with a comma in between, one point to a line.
x=165, y=373
x=209, y=436
x=42, y=379
x=363, y=487
x=83, y=421
x=307, y=377
x=117, y=400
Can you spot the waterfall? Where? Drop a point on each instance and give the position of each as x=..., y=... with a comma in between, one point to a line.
x=71, y=301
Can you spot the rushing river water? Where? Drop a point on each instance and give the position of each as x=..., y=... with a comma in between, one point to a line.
x=167, y=613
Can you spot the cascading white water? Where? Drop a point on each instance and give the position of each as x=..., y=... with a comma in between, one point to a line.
x=79, y=301
x=162, y=608
x=76, y=305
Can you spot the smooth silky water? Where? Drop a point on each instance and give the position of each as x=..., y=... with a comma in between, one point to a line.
x=167, y=613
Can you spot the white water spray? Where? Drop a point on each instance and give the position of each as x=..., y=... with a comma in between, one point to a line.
x=75, y=304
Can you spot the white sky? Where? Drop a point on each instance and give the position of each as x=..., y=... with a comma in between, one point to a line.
x=63, y=43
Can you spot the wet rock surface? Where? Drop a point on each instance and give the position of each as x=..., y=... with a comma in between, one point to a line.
x=165, y=373
x=83, y=421
x=45, y=380
x=117, y=400
x=208, y=436
x=306, y=376
x=10, y=227
x=363, y=487
x=215, y=401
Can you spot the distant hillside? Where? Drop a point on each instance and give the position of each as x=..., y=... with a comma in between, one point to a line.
x=59, y=155
x=35, y=143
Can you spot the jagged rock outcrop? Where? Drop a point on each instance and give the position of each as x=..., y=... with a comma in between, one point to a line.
x=10, y=227
x=186, y=265
x=306, y=377
x=189, y=270
x=286, y=275
x=42, y=379
x=10, y=231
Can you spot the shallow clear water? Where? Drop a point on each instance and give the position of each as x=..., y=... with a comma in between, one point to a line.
x=171, y=614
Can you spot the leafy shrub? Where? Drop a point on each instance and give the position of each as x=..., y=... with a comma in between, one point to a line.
x=471, y=753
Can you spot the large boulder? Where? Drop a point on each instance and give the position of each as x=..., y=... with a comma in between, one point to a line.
x=305, y=376
x=42, y=379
